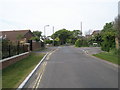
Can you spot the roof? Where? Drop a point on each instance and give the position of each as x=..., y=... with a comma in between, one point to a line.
x=12, y=35
x=96, y=32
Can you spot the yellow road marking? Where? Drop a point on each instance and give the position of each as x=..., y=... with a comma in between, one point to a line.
x=44, y=66
x=42, y=70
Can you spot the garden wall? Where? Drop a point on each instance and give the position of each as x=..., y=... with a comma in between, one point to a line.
x=36, y=45
x=11, y=60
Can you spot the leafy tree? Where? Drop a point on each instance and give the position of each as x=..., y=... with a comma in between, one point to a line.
x=63, y=35
x=108, y=36
x=37, y=39
x=97, y=39
x=37, y=35
x=76, y=34
x=108, y=41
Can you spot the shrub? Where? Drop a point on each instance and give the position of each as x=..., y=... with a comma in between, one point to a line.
x=48, y=41
x=81, y=43
x=78, y=43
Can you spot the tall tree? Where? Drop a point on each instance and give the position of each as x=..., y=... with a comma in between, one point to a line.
x=63, y=35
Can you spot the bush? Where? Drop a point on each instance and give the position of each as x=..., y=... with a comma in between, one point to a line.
x=78, y=43
x=56, y=43
x=85, y=43
x=48, y=41
x=81, y=43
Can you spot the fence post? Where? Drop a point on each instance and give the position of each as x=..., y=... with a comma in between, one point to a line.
x=18, y=48
x=23, y=49
x=9, y=50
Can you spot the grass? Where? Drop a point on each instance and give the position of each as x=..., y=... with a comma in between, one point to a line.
x=108, y=56
x=14, y=74
x=41, y=49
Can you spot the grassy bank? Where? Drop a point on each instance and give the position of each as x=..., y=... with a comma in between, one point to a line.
x=13, y=75
x=108, y=56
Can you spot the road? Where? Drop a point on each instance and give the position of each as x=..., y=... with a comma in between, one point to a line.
x=70, y=67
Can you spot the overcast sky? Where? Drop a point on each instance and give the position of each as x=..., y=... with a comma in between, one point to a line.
x=35, y=14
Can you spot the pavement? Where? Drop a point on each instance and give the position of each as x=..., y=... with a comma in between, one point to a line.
x=69, y=67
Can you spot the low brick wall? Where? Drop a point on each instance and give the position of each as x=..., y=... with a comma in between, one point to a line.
x=8, y=61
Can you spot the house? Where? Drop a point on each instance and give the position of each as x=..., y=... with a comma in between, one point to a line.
x=95, y=32
x=17, y=35
x=88, y=36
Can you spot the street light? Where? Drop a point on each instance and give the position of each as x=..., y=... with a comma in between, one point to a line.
x=53, y=32
x=44, y=29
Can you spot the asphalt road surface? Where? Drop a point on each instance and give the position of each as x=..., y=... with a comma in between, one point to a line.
x=70, y=67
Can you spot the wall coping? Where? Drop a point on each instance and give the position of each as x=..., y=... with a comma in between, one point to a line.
x=6, y=59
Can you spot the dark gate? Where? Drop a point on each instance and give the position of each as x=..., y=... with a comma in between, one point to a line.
x=30, y=41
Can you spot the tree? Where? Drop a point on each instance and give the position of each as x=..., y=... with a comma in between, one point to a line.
x=108, y=41
x=108, y=27
x=63, y=35
x=76, y=34
x=108, y=36
x=37, y=39
x=97, y=39
x=37, y=35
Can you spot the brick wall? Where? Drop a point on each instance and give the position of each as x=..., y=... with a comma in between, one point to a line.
x=8, y=61
x=36, y=45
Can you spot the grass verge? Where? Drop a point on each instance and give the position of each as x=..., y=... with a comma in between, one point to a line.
x=14, y=74
x=108, y=57
x=41, y=49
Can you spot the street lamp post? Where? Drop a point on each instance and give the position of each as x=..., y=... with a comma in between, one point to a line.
x=44, y=30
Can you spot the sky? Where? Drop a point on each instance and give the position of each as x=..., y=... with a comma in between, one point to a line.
x=68, y=14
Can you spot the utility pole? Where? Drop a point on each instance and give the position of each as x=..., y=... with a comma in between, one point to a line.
x=53, y=36
x=81, y=28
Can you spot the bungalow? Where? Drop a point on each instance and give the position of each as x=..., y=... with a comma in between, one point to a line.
x=95, y=32
x=17, y=35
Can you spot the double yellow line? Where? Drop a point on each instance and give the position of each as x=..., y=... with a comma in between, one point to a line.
x=41, y=72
